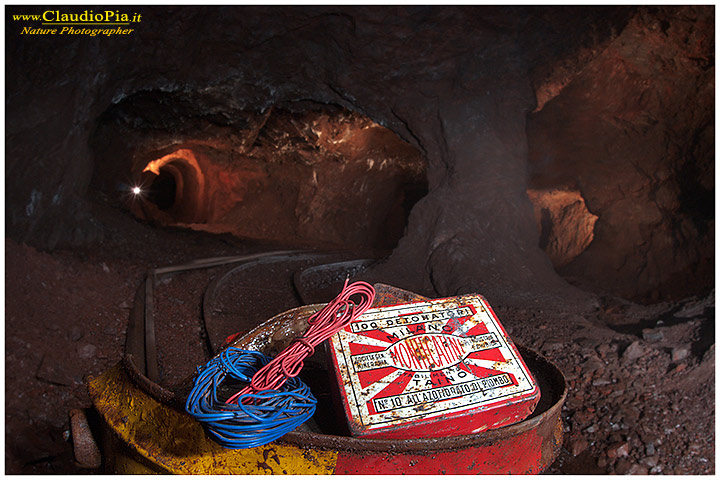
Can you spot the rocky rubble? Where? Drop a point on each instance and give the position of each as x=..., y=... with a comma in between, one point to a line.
x=640, y=402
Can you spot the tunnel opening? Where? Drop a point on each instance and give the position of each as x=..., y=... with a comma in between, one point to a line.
x=305, y=174
x=163, y=189
x=168, y=190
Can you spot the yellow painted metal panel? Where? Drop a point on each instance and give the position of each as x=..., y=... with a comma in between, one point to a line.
x=177, y=443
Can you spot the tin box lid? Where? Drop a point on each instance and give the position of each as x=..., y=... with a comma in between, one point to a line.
x=412, y=362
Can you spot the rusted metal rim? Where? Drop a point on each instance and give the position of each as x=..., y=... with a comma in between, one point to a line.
x=320, y=283
x=156, y=391
x=211, y=291
x=552, y=384
x=548, y=415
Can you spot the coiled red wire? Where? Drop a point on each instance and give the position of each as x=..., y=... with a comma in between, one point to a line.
x=323, y=324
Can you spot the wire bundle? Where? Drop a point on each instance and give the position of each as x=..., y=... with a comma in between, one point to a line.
x=325, y=323
x=273, y=401
x=260, y=417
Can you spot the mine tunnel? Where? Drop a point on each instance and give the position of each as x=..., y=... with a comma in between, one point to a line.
x=172, y=187
x=315, y=175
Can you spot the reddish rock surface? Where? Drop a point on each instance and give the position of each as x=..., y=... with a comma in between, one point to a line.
x=632, y=131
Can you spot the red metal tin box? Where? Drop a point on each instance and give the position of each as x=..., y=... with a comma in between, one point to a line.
x=430, y=369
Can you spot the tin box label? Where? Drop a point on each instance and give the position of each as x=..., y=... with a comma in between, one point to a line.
x=421, y=360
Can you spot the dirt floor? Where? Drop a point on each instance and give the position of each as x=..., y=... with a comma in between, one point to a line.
x=641, y=378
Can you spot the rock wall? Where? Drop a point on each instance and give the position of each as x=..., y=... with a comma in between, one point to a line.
x=457, y=83
x=633, y=131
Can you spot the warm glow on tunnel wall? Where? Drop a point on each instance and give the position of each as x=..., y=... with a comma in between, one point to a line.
x=189, y=199
x=182, y=154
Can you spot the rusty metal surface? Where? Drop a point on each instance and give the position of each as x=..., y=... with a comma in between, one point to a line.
x=155, y=390
x=389, y=295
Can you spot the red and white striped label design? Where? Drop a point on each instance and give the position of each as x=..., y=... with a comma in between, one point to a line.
x=411, y=362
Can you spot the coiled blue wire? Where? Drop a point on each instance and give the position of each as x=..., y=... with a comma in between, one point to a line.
x=267, y=416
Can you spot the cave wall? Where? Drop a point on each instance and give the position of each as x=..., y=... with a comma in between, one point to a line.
x=457, y=83
x=633, y=133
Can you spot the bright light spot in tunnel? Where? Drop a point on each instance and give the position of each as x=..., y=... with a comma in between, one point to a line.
x=136, y=190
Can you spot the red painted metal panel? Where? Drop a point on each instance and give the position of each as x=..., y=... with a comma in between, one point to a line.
x=430, y=369
x=515, y=455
